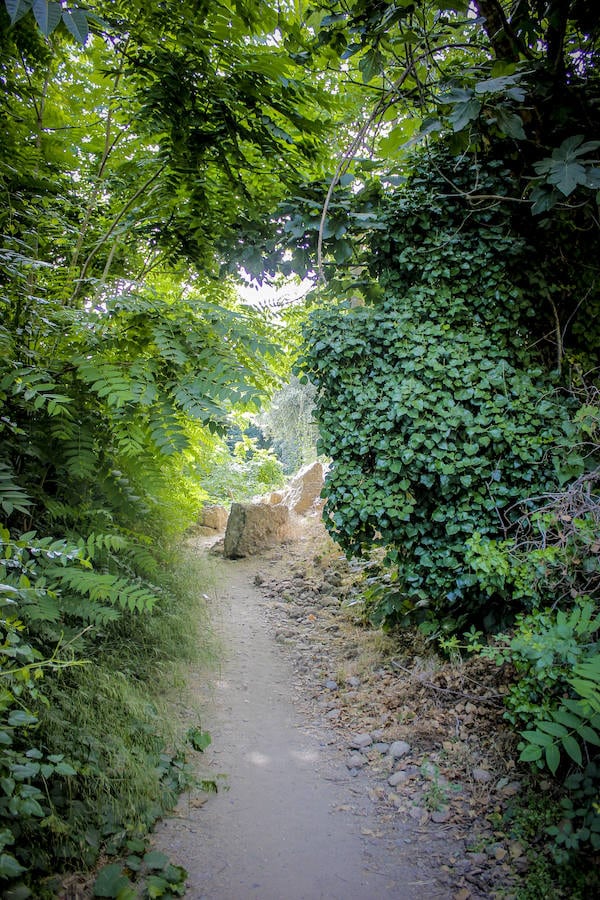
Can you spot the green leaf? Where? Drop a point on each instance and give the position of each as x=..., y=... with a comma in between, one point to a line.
x=553, y=728
x=463, y=113
x=77, y=23
x=199, y=739
x=20, y=717
x=511, y=124
x=531, y=753
x=537, y=737
x=10, y=867
x=552, y=758
x=589, y=735
x=156, y=860
x=572, y=748
x=17, y=9
x=111, y=881
x=47, y=15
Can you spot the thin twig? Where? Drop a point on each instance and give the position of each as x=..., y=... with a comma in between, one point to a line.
x=491, y=700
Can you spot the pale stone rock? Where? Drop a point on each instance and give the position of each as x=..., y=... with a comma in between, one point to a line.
x=305, y=489
x=214, y=517
x=253, y=527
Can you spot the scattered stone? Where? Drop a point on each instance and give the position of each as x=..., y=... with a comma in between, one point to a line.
x=439, y=816
x=399, y=778
x=418, y=813
x=497, y=851
x=381, y=747
x=353, y=681
x=511, y=789
x=360, y=741
x=356, y=761
x=331, y=685
x=333, y=714
x=477, y=859
x=515, y=850
x=398, y=749
x=481, y=775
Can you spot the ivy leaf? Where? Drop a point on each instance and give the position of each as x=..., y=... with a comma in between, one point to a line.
x=464, y=113
x=511, y=124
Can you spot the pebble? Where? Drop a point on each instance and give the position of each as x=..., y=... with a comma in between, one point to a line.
x=398, y=778
x=353, y=681
x=440, y=816
x=331, y=685
x=333, y=714
x=496, y=851
x=360, y=741
x=398, y=749
x=355, y=761
x=481, y=775
x=512, y=788
x=381, y=747
x=515, y=849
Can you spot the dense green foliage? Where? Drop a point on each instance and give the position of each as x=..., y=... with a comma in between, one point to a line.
x=435, y=402
x=449, y=396
x=143, y=150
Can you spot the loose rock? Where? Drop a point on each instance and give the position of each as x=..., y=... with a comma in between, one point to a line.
x=399, y=748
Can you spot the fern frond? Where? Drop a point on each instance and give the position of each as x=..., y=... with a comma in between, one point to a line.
x=79, y=458
x=37, y=388
x=12, y=495
x=102, y=586
x=96, y=543
x=109, y=381
x=90, y=615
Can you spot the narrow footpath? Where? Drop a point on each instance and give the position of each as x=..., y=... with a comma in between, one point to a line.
x=290, y=821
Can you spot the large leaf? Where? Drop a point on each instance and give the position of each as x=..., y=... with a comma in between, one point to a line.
x=47, y=15
x=77, y=23
x=17, y=8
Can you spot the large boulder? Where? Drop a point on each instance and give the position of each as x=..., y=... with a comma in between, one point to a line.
x=253, y=527
x=305, y=489
x=214, y=517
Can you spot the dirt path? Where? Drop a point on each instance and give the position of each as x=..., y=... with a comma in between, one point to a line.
x=294, y=822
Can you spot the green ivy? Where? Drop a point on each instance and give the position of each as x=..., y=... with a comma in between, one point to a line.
x=439, y=417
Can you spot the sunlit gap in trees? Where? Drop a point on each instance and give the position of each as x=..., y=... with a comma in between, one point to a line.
x=266, y=295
